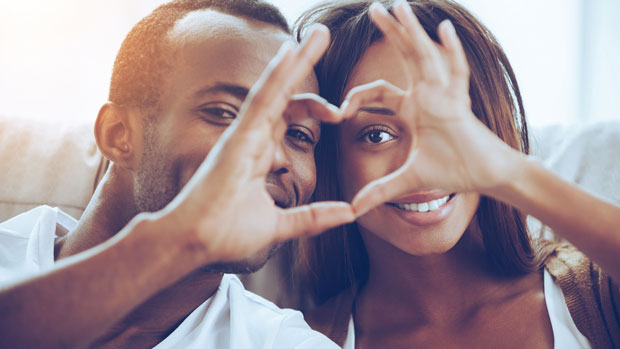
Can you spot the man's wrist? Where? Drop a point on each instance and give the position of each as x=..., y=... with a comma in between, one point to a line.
x=181, y=243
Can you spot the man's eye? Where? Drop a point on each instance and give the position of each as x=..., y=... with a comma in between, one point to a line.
x=219, y=112
x=299, y=136
x=377, y=136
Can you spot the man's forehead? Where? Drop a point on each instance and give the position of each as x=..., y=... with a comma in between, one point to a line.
x=212, y=24
x=213, y=46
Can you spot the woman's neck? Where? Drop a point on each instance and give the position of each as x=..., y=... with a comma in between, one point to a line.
x=436, y=289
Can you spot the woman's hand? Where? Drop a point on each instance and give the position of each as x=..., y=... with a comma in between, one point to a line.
x=451, y=149
x=225, y=205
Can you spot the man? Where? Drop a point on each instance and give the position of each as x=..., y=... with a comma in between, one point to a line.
x=126, y=277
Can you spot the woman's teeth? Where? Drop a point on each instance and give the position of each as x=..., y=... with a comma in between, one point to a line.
x=424, y=206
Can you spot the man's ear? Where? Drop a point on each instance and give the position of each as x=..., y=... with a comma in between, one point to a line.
x=118, y=135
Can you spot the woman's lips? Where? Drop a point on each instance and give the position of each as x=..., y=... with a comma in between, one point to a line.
x=423, y=210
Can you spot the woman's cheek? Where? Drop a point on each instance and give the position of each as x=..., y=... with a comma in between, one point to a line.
x=360, y=168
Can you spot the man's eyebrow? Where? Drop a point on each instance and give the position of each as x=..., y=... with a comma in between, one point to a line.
x=221, y=87
x=376, y=110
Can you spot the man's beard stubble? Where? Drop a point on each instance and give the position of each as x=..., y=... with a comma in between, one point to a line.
x=246, y=266
x=157, y=184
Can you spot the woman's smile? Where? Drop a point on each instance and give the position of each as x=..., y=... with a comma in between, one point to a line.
x=422, y=211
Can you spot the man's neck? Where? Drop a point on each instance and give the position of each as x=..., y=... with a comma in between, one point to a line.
x=109, y=210
x=153, y=321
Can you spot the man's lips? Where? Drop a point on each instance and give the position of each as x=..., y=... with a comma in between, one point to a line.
x=279, y=195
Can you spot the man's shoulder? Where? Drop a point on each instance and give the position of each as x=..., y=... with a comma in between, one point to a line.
x=232, y=282
x=282, y=327
x=21, y=226
x=27, y=240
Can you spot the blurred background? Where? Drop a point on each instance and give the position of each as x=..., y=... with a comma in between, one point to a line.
x=56, y=56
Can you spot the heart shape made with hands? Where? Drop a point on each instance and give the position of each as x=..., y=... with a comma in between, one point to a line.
x=450, y=149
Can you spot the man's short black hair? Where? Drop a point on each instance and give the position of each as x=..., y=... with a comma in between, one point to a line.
x=142, y=61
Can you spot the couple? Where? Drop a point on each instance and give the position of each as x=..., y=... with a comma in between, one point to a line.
x=213, y=145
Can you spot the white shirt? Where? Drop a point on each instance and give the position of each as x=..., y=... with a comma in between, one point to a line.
x=231, y=318
x=565, y=332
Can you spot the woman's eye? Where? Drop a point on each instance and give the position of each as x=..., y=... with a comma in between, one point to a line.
x=377, y=137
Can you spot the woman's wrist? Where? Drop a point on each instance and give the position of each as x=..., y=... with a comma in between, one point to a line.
x=499, y=165
x=519, y=170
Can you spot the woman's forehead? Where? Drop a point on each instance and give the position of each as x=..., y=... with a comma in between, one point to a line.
x=380, y=62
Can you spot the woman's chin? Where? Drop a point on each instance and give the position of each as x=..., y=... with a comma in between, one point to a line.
x=426, y=243
x=418, y=235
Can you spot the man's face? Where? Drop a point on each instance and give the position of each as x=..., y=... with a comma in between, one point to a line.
x=217, y=58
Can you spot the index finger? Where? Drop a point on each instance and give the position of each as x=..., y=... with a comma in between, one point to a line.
x=270, y=95
x=316, y=107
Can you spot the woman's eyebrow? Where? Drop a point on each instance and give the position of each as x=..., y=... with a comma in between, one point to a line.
x=376, y=110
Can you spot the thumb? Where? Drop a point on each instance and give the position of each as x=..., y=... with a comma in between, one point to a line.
x=383, y=189
x=313, y=219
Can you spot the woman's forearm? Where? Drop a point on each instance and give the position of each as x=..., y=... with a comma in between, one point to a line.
x=588, y=222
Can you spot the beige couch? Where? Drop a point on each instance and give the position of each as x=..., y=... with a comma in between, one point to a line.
x=47, y=162
x=57, y=163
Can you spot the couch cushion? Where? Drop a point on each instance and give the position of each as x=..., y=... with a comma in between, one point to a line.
x=47, y=162
x=585, y=154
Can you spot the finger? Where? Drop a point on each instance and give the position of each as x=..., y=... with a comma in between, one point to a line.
x=270, y=95
x=379, y=91
x=456, y=54
x=313, y=219
x=383, y=190
x=420, y=44
x=396, y=35
x=315, y=106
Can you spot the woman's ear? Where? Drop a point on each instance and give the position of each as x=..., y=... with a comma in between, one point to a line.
x=118, y=136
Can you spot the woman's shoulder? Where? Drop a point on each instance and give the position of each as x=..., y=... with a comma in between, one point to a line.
x=564, y=258
x=592, y=297
x=332, y=317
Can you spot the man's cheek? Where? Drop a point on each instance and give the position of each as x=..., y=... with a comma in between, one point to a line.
x=306, y=173
x=187, y=170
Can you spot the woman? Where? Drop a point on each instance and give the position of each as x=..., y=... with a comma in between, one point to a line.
x=440, y=255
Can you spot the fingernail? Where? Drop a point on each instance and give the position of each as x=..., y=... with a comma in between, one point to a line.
x=378, y=7
x=401, y=3
x=316, y=27
x=449, y=27
x=287, y=46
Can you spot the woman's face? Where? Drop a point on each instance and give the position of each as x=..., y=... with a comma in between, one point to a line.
x=376, y=142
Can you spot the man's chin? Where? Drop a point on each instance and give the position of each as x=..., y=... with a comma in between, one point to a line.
x=246, y=266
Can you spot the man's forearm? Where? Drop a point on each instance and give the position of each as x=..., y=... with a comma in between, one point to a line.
x=84, y=295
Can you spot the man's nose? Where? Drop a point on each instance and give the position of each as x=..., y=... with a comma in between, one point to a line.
x=281, y=163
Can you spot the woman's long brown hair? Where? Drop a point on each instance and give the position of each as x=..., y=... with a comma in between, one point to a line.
x=336, y=260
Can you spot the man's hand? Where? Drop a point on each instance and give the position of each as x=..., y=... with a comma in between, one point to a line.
x=225, y=204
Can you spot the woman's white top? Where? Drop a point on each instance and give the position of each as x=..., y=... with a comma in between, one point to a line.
x=565, y=333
